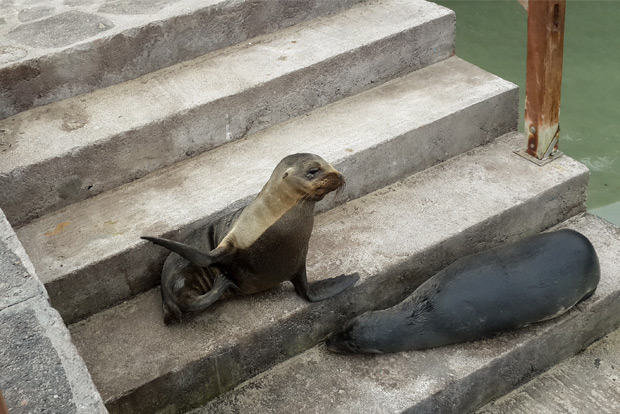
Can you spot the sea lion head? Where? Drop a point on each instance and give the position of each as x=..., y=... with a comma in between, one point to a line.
x=309, y=175
x=363, y=334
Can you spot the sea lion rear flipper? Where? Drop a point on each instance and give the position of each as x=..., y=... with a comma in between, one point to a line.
x=194, y=255
x=172, y=313
x=322, y=289
x=202, y=302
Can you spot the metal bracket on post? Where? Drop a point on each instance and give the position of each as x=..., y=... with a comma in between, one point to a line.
x=551, y=154
x=545, y=44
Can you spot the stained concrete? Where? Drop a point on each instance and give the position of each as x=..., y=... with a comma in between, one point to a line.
x=41, y=371
x=395, y=238
x=71, y=150
x=90, y=255
x=52, y=49
x=589, y=382
x=453, y=379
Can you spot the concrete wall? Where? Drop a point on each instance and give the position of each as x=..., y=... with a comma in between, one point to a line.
x=40, y=369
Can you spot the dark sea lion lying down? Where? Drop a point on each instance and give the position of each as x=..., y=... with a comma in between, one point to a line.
x=511, y=286
x=254, y=248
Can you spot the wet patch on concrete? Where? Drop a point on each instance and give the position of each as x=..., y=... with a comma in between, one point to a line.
x=74, y=118
x=69, y=188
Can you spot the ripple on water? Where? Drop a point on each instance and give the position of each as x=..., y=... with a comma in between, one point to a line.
x=598, y=164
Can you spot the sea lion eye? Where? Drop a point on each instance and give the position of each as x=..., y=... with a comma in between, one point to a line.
x=312, y=172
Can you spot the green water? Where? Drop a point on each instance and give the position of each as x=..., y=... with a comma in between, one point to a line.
x=493, y=35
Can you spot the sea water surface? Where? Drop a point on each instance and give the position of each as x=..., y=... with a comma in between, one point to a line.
x=493, y=34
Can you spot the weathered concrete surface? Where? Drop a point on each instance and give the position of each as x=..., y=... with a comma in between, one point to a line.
x=56, y=155
x=90, y=256
x=18, y=282
x=40, y=369
x=589, y=382
x=395, y=238
x=53, y=49
x=453, y=379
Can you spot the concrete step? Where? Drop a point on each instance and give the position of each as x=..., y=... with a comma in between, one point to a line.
x=589, y=382
x=53, y=50
x=395, y=238
x=89, y=254
x=70, y=150
x=453, y=379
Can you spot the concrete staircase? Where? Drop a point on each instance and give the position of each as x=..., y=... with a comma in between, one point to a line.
x=423, y=138
x=585, y=383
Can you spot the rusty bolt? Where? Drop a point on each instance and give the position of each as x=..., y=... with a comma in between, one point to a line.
x=532, y=129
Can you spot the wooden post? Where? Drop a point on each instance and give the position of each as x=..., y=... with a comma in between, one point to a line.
x=3, y=408
x=545, y=44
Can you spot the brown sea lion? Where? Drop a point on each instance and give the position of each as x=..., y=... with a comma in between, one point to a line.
x=254, y=248
x=532, y=280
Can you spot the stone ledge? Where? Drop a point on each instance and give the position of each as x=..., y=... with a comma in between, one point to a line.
x=18, y=282
x=41, y=369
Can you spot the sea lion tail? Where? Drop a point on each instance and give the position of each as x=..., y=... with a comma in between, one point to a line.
x=202, y=302
x=194, y=255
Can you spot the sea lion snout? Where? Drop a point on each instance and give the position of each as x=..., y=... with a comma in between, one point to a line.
x=355, y=337
x=340, y=342
x=332, y=180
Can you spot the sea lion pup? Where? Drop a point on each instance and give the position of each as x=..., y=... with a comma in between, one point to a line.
x=532, y=280
x=254, y=248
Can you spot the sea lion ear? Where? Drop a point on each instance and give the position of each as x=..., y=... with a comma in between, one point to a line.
x=286, y=173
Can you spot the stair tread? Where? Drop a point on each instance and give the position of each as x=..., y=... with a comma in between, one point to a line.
x=62, y=49
x=451, y=201
x=133, y=123
x=213, y=76
x=585, y=383
x=97, y=229
x=438, y=379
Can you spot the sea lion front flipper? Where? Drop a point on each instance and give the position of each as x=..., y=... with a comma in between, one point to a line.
x=194, y=255
x=322, y=289
x=202, y=302
x=172, y=313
